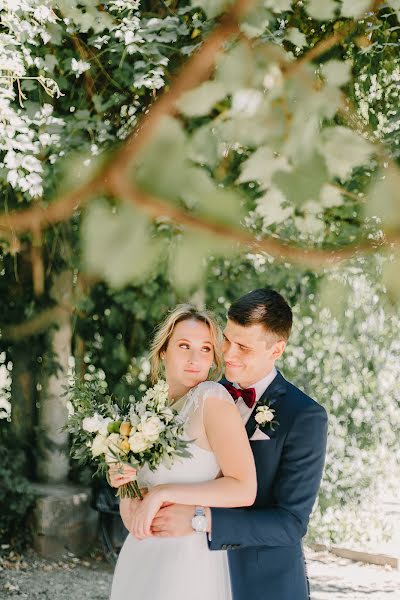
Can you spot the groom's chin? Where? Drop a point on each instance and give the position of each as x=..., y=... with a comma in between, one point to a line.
x=231, y=373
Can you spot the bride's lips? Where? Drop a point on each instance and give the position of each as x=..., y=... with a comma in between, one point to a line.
x=192, y=371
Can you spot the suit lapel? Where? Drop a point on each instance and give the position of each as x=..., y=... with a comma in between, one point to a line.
x=271, y=395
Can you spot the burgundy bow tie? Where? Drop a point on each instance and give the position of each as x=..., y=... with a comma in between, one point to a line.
x=248, y=395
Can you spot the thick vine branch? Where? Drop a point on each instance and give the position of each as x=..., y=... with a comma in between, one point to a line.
x=313, y=257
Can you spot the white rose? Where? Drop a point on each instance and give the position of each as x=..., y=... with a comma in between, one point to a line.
x=151, y=428
x=99, y=445
x=264, y=415
x=103, y=425
x=96, y=424
x=138, y=442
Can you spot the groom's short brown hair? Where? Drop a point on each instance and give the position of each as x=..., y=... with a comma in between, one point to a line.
x=264, y=306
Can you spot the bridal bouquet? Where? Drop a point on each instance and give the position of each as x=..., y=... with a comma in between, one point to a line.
x=148, y=432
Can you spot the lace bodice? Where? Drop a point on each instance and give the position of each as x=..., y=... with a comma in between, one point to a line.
x=203, y=464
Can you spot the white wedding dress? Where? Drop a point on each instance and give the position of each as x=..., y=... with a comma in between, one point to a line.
x=180, y=568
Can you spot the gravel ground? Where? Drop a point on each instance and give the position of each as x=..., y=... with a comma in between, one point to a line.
x=33, y=578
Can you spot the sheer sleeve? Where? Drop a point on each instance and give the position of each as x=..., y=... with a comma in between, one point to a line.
x=213, y=391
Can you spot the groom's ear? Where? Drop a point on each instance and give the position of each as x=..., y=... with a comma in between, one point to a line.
x=278, y=349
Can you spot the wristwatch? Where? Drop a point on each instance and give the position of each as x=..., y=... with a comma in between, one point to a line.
x=199, y=521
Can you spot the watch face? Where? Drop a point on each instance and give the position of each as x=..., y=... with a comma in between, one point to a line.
x=199, y=523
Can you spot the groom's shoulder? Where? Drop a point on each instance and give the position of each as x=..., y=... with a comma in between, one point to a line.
x=300, y=401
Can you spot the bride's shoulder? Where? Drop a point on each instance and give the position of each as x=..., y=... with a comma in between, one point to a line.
x=207, y=389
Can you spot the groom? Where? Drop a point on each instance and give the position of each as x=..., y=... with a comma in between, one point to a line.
x=264, y=541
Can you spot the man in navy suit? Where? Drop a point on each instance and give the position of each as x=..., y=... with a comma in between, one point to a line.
x=264, y=541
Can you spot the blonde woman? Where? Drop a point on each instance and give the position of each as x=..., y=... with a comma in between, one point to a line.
x=220, y=473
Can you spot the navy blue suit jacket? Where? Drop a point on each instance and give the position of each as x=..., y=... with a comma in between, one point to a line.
x=264, y=541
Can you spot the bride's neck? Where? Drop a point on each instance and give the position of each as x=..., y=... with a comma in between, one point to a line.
x=176, y=390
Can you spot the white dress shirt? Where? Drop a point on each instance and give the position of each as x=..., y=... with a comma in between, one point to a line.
x=260, y=387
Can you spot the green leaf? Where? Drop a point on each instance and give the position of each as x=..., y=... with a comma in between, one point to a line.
x=278, y=5
x=160, y=166
x=201, y=100
x=188, y=261
x=333, y=295
x=383, y=198
x=296, y=37
x=307, y=107
x=117, y=244
x=273, y=208
x=261, y=166
x=212, y=8
x=321, y=10
x=235, y=68
x=354, y=8
x=344, y=150
x=331, y=196
x=255, y=22
x=206, y=198
x=249, y=132
x=337, y=72
x=203, y=147
x=303, y=184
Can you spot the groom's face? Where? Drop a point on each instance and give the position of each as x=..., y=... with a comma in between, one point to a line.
x=250, y=352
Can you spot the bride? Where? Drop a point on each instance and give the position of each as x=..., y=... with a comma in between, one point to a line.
x=220, y=472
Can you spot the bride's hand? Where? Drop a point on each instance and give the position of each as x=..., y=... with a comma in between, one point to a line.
x=145, y=511
x=120, y=474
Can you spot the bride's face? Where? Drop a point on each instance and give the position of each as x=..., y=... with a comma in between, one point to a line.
x=189, y=355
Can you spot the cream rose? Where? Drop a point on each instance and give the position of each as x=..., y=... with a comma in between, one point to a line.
x=96, y=424
x=265, y=414
x=151, y=428
x=138, y=443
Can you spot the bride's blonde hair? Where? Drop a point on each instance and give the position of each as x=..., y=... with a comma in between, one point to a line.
x=185, y=312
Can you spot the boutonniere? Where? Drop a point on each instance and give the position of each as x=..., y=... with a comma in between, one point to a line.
x=266, y=415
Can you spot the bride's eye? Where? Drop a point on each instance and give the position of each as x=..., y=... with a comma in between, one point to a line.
x=207, y=348
x=185, y=346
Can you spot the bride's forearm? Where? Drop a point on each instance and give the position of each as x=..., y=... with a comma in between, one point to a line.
x=226, y=492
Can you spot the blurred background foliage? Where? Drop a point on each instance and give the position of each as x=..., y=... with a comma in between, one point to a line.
x=277, y=146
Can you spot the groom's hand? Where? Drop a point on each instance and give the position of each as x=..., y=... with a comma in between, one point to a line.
x=175, y=520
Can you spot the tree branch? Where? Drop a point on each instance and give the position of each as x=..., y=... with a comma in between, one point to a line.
x=295, y=254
